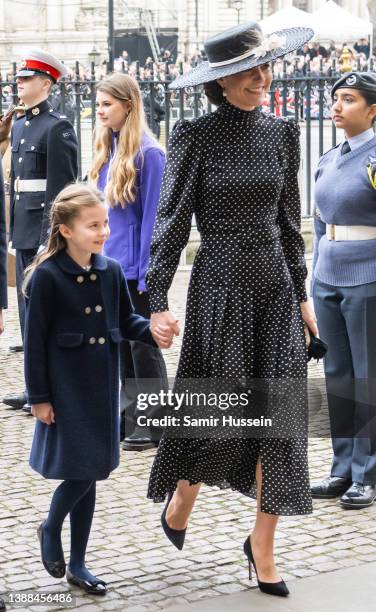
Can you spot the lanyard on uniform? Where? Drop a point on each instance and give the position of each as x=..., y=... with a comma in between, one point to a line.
x=371, y=170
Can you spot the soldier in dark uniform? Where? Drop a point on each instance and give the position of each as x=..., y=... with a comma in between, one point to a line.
x=44, y=160
x=3, y=276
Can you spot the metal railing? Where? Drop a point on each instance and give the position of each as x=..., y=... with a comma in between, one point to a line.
x=296, y=91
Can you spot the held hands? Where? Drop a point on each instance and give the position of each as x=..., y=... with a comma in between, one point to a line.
x=44, y=412
x=309, y=317
x=164, y=326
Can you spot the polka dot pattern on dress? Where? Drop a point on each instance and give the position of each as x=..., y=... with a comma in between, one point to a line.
x=237, y=172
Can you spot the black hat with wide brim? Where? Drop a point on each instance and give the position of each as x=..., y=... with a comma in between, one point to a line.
x=241, y=48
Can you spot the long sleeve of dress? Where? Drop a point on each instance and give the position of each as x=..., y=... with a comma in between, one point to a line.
x=289, y=214
x=175, y=211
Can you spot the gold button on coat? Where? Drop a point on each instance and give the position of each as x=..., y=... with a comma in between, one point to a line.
x=80, y=279
x=93, y=277
x=92, y=340
x=101, y=340
x=98, y=308
x=87, y=310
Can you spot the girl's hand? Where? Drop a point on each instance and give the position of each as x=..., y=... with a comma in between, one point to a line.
x=163, y=336
x=309, y=317
x=44, y=412
x=164, y=321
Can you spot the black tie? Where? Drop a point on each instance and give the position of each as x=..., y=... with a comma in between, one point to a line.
x=345, y=148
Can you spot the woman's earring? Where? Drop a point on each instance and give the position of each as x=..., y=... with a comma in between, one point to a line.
x=224, y=93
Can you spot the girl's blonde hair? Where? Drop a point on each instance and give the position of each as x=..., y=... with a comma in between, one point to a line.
x=65, y=209
x=121, y=184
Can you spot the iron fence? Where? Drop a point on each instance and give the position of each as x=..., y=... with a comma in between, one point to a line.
x=296, y=91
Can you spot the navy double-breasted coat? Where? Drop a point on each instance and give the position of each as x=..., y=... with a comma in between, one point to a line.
x=75, y=320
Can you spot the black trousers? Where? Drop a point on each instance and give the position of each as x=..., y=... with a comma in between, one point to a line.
x=24, y=257
x=142, y=370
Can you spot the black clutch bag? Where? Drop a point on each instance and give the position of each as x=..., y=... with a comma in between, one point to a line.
x=316, y=347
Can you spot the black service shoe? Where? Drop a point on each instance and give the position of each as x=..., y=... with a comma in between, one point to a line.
x=16, y=348
x=54, y=568
x=15, y=401
x=139, y=440
x=26, y=408
x=2, y=605
x=94, y=587
x=359, y=496
x=330, y=487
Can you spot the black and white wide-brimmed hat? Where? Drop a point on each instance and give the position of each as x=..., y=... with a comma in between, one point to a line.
x=231, y=52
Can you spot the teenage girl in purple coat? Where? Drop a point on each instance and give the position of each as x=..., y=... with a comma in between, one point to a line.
x=128, y=166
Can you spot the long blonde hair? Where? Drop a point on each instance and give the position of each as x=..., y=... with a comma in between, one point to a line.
x=121, y=184
x=65, y=209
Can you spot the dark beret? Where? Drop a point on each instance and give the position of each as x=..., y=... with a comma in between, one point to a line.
x=364, y=81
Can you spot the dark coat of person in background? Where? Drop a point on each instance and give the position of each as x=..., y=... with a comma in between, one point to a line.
x=3, y=247
x=159, y=114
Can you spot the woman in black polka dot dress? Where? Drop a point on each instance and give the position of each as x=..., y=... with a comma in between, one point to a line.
x=236, y=170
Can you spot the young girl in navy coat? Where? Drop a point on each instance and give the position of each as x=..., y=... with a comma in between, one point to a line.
x=78, y=311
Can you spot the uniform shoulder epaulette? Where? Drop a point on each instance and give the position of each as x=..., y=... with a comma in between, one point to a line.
x=328, y=151
x=57, y=115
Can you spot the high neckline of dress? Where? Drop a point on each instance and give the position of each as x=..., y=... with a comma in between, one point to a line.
x=234, y=113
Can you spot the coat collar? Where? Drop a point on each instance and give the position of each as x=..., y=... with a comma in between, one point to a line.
x=66, y=263
x=38, y=109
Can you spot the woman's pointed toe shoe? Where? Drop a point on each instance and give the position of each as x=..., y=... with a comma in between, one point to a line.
x=271, y=588
x=176, y=536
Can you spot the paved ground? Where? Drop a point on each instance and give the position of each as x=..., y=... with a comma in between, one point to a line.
x=127, y=546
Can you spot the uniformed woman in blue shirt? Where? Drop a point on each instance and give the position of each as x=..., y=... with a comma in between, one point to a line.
x=344, y=290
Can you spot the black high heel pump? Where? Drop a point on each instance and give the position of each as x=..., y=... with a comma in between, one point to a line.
x=271, y=588
x=176, y=536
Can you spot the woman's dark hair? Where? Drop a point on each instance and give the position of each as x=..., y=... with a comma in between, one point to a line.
x=214, y=93
x=213, y=90
x=370, y=99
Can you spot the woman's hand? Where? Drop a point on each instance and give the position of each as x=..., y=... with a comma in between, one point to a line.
x=309, y=317
x=44, y=412
x=163, y=326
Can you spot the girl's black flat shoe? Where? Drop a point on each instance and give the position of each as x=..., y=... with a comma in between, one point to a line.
x=54, y=568
x=176, y=536
x=271, y=588
x=94, y=587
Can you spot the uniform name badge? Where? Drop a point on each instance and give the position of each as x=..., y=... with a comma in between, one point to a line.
x=371, y=170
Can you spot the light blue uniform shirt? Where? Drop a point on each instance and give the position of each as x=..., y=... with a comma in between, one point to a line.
x=344, y=196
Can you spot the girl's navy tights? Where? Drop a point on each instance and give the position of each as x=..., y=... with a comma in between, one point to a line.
x=76, y=498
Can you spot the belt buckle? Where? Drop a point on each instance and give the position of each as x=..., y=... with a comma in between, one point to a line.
x=17, y=185
x=332, y=231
